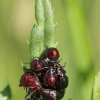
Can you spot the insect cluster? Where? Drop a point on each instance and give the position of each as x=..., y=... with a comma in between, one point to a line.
x=46, y=79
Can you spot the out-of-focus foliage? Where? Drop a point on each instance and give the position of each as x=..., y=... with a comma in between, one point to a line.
x=96, y=88
x=2, y=98
x=77, y=33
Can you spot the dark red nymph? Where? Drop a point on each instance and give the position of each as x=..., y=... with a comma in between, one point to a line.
x=52, y=53
x=38, y=66
x=50, y=79
x=29, y=80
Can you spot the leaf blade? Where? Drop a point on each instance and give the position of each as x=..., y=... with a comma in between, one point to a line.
x=49, y=24
x=96, y=88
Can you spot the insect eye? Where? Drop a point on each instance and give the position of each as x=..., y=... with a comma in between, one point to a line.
x=54, y=53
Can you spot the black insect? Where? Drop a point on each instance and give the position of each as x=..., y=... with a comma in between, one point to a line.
x=46, y=79
x=52, y=53
x=38, y=66
x=44, y=94
x=48, y=94
x=62, y=81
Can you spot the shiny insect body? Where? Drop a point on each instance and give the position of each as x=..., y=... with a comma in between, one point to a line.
x=50, y=79
x=30, y=80
x=63, y=79
x=38, y=66
x=47, y=94
x=46, y=79
x=52, y=53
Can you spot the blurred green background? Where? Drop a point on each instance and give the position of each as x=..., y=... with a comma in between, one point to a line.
x=77, y=33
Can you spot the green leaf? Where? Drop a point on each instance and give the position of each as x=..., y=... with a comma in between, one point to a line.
x=36, y=42
x=96, y=88
x=49, y=24
x=42, y=34
x=6, y=92
x=39, y=12
x=37, y=34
